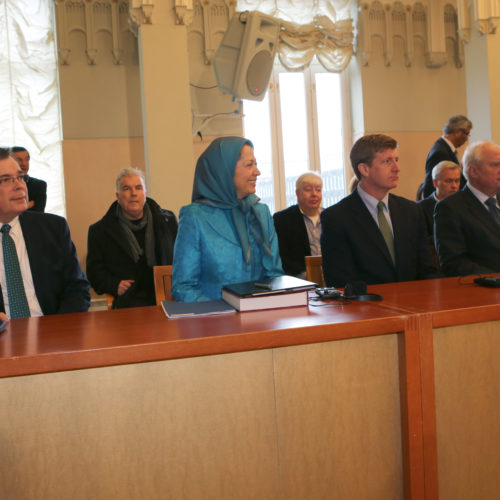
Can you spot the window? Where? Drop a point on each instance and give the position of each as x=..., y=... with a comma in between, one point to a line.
x=29, y=108
x=302, y=124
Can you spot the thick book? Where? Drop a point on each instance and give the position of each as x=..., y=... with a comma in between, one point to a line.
x=190, y=309
x=270, y=293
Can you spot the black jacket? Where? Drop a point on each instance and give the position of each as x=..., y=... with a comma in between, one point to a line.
x=60, y=285
x=109, y=260
x=292, y=239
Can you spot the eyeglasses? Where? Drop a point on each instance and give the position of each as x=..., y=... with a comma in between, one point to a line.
x=467, y=133
x=4, y=181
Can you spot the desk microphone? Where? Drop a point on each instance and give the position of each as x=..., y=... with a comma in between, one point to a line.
x=356, y=290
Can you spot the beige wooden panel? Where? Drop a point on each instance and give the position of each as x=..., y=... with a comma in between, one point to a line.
x=201, y=428
x=467, y=368
x=339, y=416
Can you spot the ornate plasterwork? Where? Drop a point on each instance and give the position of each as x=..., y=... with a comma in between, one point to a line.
x=91, y=17
x=483, y=15
x=184, y=11
x=434, y=21
x=210, y=20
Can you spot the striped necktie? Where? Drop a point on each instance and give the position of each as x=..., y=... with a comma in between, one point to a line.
x=385, y=230
x=493, y=209
x=18, y=303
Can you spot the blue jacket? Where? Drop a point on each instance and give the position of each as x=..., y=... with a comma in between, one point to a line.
x=208, y=254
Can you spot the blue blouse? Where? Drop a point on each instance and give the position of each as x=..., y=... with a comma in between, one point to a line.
x=208, y=254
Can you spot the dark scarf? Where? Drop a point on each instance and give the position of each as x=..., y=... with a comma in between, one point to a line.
x=129, y=227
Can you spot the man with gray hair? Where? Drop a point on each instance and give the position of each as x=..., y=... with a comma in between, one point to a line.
x=133, y=236
x=467, y=223
x=455, y=134
x=446, y=180
x=298, y=227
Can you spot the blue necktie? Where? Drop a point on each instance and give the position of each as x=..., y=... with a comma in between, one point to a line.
x=18, y=303
x=493, y=209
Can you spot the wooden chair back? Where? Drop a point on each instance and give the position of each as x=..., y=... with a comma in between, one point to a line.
x=314, y=269
x=163, y=283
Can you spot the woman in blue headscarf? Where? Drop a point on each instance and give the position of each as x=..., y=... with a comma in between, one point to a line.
x=225, y=236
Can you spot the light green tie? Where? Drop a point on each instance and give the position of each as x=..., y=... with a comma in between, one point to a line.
x=385, y=230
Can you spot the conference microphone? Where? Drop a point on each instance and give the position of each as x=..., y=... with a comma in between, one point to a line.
x=356, y=290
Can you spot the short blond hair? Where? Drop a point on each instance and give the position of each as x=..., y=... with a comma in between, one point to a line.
x=311, y=177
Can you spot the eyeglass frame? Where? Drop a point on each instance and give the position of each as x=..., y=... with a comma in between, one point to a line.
x=13, y=178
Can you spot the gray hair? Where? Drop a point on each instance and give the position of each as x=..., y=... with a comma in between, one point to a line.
x=474, y=155
x=129, y=172
x=441, y=167
x=312, y=177
x=456, y=122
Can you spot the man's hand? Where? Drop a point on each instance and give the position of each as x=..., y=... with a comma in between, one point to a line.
x=3, y=317
x=124, y=285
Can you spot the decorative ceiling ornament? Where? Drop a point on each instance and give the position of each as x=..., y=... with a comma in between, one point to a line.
x=483, y=15
x=141, y=12
x=184, y=12
x=91, y=17
x=432, y=21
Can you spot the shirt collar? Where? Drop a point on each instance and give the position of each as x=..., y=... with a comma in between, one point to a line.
x=452, y=147
x=479, y=194
x=370, y=201
x=14, y=224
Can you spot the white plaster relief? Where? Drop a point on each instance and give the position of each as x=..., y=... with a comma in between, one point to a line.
x=210, y=21
x=483, y=15
x=91, y=17
x=430, y=20
x=184, y=12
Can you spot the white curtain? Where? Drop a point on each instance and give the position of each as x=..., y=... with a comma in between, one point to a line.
x=310, y=27
x=29, y=91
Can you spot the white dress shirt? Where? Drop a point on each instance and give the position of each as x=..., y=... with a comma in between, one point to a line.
x=22, y=254
x=371, y=204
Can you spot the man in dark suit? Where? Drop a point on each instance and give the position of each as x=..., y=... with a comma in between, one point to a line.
x=371, y=235
x=298, y=227
x=446, y=179
x=467, y=223
x=39, y=270
x=455, y=134
x=134, y=235
x=37, y=189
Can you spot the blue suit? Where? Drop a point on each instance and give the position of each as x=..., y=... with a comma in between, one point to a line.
x=60, y=285
x=208, y=253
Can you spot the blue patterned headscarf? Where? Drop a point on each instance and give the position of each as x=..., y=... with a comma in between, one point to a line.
x=214, y=185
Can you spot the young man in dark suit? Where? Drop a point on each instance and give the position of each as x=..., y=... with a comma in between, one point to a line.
x=455, y=134
x=298, y=227
x=37, y=189
x=39, y=270
x=467, y=223
x=371, y=235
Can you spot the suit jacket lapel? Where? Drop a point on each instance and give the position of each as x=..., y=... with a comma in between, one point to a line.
x=479, y=211
x=301, y=227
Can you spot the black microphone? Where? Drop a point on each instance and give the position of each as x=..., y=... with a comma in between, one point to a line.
x=356, y=290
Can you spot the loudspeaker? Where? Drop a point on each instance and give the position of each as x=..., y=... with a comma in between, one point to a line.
x=244, y=60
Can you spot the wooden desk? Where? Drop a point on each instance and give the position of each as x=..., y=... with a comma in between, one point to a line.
x=459, y=340
x=305, y=403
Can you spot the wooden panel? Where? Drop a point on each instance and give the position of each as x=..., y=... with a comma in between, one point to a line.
x=89, y=340
x=467, y=374
x=339, y=420
x=201, y=428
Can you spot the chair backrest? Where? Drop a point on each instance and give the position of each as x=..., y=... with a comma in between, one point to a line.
x=163, y=283
x=314, y=269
